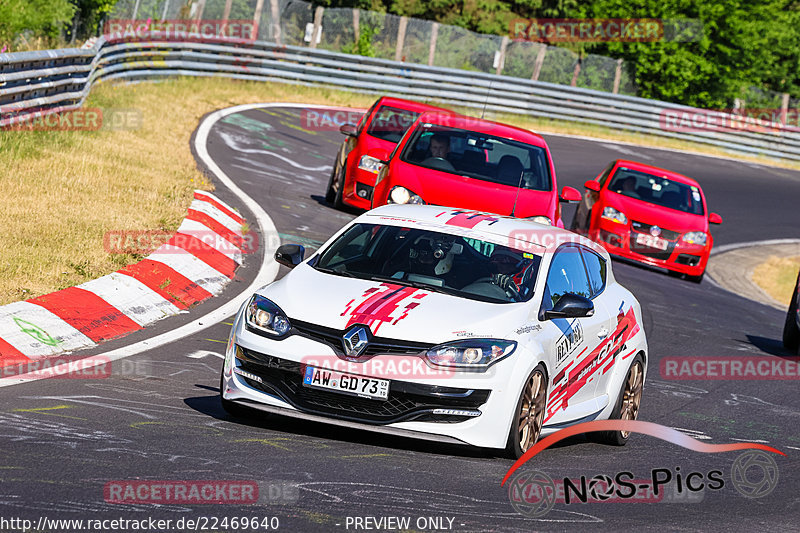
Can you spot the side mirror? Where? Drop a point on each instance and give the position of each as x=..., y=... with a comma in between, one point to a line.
x=290, y=255
x=571, y=306
x=570, y=194
x=592, y=185
x=714, y=218
x=348, y=129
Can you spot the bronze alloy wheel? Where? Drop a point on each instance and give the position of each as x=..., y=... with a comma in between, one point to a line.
x=531, y=411
x=632, y=395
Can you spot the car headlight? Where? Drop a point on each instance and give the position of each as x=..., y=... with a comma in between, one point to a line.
x=541, y=219
x=695, y=237
x=609, y=213
x=401, y=195
x=478, y=354
x=263, y=315
x=370, y=164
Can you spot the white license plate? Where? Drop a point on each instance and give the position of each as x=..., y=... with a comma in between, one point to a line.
x=652, y=242
x=321, y=378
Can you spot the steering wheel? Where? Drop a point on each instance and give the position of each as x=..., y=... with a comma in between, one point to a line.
x=487, y=280
x=438, y=163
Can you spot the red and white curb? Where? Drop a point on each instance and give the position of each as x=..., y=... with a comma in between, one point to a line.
x=195, y=264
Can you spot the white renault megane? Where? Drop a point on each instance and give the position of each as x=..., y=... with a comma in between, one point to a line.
x=442, y=324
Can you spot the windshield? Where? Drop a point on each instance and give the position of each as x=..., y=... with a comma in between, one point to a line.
x=468, y=268
x=480, y=156
x=657, y=190
x=390, y=123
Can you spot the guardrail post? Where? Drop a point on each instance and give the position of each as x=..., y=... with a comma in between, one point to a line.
x=257, y=19
x=275, y=12
x=575, y=73
x=537, y=66
x=617, y=77
x=784, y=108
x=201, y=7
x=432, y=49
x=356, y=29
x=317, y=33
x=501, y=60
x=401, y=37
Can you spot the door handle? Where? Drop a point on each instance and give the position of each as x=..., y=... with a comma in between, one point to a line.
x=603, y=333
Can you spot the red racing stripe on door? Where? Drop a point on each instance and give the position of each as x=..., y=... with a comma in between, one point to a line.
x=88, y=313
x=167, y=282
x=204, y=252
x=233, y=214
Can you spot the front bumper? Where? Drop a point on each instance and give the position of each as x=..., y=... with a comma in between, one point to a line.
x=268, y=374
x=359, y=189
x=681, y=257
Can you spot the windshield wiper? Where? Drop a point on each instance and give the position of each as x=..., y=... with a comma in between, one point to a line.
x=344, y=273
x=416, y=285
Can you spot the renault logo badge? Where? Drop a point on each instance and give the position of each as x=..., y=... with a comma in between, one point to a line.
x=355, y=341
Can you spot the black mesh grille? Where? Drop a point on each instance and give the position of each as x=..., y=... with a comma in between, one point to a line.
x=406, y=401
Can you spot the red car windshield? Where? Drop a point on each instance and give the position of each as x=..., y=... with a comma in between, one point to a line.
x=480, y=156
x=390, y=123
x=657, y=190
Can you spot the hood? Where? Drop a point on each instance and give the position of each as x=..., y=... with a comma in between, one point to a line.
x=670, y=219
x=390, y=310
x=443, y=188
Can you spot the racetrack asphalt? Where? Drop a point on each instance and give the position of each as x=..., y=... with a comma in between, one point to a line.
x=158, y=417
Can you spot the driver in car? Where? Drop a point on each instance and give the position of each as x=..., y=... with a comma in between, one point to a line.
x=506, y=270
x=440, y=146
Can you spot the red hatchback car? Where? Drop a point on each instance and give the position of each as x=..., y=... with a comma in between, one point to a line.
x=650, y=215
x=469, y=163
x=354, y=171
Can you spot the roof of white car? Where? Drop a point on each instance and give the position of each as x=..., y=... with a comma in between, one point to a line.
x=521, y=233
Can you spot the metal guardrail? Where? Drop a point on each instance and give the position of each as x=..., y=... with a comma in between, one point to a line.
x=58, y=80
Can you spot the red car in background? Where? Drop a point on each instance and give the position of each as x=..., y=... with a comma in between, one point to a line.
x=354, y=171
x=648, y=214
x=474, y=164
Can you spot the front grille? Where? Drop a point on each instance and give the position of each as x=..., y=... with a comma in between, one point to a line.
x=406, y=401
x=378, y=345
x=641, y=227
x=655, y=253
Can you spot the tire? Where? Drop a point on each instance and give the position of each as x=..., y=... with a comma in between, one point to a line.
x=791, y=334
x=330, y=194
x=673, y=274
x=628, y=402
x=338, y=202
x=696, y=279
x=530, y=408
